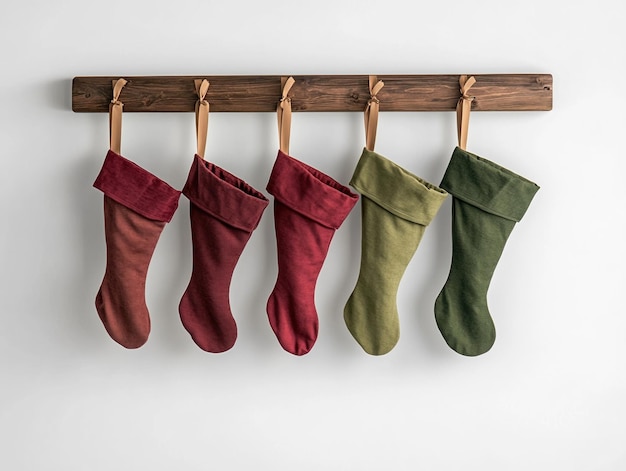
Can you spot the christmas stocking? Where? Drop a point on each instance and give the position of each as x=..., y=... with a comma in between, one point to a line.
x=309, y=206
x=488, y=201
x=137, y=205
x=224, y=212
x=396, y=208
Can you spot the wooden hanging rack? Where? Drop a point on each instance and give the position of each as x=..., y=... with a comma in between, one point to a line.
x=261, y=93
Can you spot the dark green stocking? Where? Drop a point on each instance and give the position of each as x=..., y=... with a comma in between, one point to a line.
x=487, y=202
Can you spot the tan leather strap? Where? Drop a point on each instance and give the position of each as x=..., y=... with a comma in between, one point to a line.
x=463, y=108
x=371, y=112
x=202, y=115
x=283, y=110
x=115, y=116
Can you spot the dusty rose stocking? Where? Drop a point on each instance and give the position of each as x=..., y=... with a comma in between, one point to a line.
x=137, y=205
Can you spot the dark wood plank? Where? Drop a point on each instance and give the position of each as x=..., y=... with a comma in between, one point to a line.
x=260, y=93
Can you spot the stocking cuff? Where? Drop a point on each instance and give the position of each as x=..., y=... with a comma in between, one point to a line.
x=129, y=184
x=488, y=186
x=310, y=192
x=398, y=191
x=224, y=196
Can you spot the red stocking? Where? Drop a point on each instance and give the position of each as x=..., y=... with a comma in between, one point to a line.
x=309, y=206
x=224, y=212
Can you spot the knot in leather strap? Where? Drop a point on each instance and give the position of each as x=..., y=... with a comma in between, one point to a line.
x=286, y=88
x=117, y=89
x=202, y=115
x=375, y=87
x=115, y=116
x=283, y=112
x=371, y=112
x=466, y=84
x=463, y=107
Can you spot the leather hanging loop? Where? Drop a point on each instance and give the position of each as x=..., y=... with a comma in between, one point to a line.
x=202, y=115
x=283, y=111
x=115, y=116
x=371, y=112
x=463, y=108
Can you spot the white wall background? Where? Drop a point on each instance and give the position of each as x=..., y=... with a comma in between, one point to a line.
x=550, y=395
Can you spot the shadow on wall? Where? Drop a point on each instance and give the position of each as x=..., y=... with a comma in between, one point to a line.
x=86, y=204
x=58, y=94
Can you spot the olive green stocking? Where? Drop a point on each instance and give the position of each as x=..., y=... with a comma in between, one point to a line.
x=396, y=207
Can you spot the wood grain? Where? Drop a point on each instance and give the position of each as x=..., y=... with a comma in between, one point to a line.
x=260, y=93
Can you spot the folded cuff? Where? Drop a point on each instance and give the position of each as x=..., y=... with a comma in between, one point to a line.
x=129, y=184
x=310, y=192
x=398, y=191
x=488, y=186
x=223, y=195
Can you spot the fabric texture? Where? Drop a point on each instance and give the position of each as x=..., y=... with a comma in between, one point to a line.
x=309, y=207
x=488, y=200
x=137, y=205
x=396, y=208
x=224, y=211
